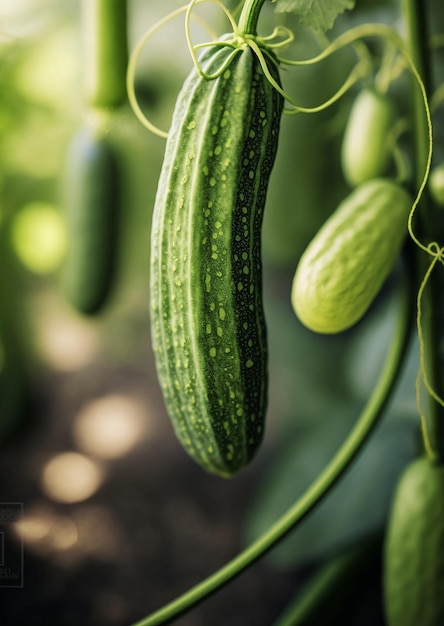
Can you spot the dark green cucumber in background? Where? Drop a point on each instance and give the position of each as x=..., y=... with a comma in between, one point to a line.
x=208, y=326
x=91, y=194
x=91, y=199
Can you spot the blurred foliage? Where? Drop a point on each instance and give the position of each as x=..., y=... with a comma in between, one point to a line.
x=335, y=588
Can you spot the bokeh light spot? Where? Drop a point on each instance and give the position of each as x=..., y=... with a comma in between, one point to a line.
x=71, y=477
x=109, y=427
x=39, y=237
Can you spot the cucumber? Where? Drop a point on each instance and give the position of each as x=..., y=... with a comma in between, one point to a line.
x=365, y=152
x=414, y=548
x=346, y=263
x=207, y=319
x=91, y=208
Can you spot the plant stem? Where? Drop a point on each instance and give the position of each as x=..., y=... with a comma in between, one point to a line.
x=249, y=17
x=105, y=51
x=415, y=14
x=346, y=454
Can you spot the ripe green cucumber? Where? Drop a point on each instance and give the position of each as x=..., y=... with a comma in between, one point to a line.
x=414, y=550
x=365, y=150
x=208, y=327
x=91, y=208
x=346, y=263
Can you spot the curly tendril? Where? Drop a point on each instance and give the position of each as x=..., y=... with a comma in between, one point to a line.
x=264, y=47
x=134, y=58
x=437, y=254
x=400, y=127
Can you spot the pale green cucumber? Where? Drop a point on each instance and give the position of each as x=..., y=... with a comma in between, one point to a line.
x=366, y=149
x=347, y=261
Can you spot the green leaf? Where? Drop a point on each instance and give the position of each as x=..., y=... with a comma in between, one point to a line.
x=357, y=506
x=318, y=14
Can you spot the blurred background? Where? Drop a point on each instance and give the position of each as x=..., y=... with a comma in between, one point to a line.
x=103, y=517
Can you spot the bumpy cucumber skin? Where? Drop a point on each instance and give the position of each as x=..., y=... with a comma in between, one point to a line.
x=345, y=265
x=414, y=549
x=208, y=327
x=91, y=205
x=365, y=150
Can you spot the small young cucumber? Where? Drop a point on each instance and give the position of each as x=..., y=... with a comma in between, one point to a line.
x=208, y=327
x=346, y=263
x=91, y=205
x=365, y=150
x=414, y=549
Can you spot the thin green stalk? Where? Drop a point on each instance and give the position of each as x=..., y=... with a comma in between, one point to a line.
x=415, y=18
x=414, y=13
x=249, y=17
x=322, y=484
x=105, y=51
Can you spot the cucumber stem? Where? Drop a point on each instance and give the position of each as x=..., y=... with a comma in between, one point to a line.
x=415, y=14
x=104, y=25
x=249, y=17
